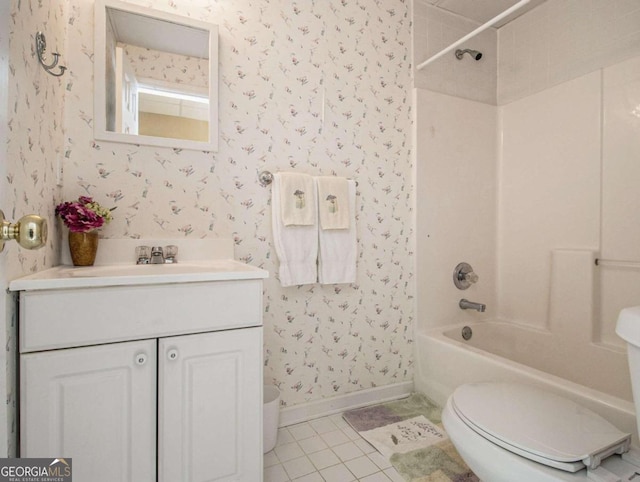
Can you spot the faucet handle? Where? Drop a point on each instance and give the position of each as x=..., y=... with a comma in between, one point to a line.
x=143, y=253
x=464, y=276
x=171, y=254
x=471, y=277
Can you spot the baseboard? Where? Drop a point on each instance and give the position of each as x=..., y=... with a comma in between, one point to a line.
x=341, y=403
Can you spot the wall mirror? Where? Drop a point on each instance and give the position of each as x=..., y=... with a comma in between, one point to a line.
x=155, y=78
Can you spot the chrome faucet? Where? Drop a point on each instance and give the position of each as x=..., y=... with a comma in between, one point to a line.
x=469, y=305
x=156, y=255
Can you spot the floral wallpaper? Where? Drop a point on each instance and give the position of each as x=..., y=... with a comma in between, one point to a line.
x=315, y=86
x=35, y=142
x=36, y=135
x=168, y=67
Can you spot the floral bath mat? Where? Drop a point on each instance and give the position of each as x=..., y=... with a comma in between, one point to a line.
x=409, y=432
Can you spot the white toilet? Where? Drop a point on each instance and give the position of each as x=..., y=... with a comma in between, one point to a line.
x=510, y=432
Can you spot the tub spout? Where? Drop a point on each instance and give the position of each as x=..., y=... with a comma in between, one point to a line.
x=471, y=305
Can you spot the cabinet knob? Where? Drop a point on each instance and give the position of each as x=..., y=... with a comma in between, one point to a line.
x=172, y=354
x=141, y=359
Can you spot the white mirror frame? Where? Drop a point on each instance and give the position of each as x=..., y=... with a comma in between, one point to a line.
x=99, y=68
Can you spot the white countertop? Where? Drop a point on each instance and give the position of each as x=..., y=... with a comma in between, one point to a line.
x=63, y=277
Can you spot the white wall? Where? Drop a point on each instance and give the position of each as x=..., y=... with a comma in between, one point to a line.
x=549, y=178
x=456, y=205
x=569, y=181
x=619, y=284
x=561, y=40
x=569, y=95
x=435, y=29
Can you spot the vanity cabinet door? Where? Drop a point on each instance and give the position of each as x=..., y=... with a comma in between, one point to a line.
x=210, y=407
x=96, y=405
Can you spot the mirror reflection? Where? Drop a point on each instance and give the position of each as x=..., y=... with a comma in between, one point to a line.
x=157, y=78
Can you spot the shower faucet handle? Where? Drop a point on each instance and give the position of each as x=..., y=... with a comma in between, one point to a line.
x=471, y=277
x=464, y=276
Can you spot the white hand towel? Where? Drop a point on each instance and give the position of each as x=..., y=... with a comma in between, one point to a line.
x=298, y=207
x=339, y=248
x=296, y=246
x=333, y=202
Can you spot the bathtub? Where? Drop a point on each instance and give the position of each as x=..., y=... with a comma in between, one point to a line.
x=593, y=375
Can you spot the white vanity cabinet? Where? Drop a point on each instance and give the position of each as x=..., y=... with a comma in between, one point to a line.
x=96, y=405
x=150, y=382
x=208, y=387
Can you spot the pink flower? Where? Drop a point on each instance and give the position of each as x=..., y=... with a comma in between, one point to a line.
x=78, y=216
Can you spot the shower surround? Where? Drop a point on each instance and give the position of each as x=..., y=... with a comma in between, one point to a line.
x=531, y=189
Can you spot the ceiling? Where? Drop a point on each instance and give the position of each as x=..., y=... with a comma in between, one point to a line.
x=482, y=11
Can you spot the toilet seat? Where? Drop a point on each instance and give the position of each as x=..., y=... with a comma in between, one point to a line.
x=538, y=425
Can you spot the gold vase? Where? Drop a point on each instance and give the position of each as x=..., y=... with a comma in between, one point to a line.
x=83, y=248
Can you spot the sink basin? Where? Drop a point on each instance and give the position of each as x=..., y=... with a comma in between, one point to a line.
x=127, y=274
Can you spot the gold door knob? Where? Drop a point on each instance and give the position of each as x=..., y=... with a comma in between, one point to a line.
x=30, y=231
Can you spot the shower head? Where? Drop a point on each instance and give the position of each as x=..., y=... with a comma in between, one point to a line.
x=474, y=54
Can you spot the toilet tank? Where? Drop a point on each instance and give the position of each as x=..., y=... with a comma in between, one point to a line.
x=628, y=328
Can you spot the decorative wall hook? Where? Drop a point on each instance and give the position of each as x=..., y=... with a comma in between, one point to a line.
x=41, y=50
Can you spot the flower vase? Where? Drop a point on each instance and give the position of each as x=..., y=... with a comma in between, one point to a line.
x=83, y=247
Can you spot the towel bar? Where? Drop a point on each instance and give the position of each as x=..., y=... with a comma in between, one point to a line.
x=266, y=177
x=617, y=263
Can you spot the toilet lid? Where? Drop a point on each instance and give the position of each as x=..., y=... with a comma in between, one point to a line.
x=539, y=425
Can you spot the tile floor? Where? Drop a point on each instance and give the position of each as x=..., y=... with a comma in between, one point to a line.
x=325, y=450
